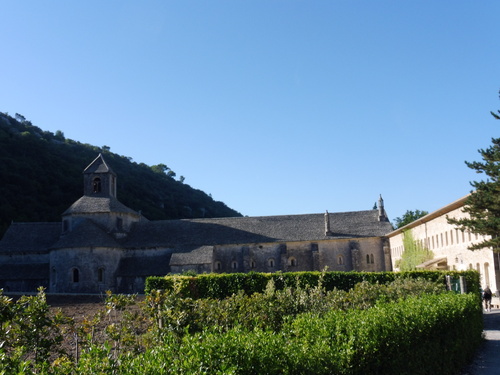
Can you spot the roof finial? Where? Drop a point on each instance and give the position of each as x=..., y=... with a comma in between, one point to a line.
x=381, y=211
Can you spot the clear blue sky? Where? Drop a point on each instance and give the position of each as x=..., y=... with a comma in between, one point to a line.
x=273, y=107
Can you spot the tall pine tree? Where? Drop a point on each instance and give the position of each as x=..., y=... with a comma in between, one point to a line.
x=483, y=205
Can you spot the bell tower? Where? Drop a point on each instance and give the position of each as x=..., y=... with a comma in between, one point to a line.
x=99, y=179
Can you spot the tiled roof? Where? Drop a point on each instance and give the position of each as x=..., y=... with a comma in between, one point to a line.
x=201, y=255
x=241, y=230
x=184, y=235
x=32, y=271
x=30, y=237
x=143, y=266
x=88, y=204
x=84, y=234
x=98, y=165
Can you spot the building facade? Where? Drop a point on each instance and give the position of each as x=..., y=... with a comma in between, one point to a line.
x=448, y=244
x=100, y=244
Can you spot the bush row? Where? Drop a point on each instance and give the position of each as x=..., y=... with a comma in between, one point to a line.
x=432, y=334
x=270, y=309
x=223, y=285
x=294, y=330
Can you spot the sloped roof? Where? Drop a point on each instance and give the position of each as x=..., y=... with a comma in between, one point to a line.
x=432, y=262
x=156, y=265
x=98, y=165
x=84, y=234
x=441, y=211
x=201, y=255
x=32, y=271
x=241, y=230
x=186, y=235
x=90, y=205
x=30, y=237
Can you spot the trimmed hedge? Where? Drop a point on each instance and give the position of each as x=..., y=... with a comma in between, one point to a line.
x=433, y=334
x=224, y=285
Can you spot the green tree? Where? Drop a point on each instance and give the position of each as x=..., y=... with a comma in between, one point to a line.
x=408, y=217
x=483, y=204
x=414, y=253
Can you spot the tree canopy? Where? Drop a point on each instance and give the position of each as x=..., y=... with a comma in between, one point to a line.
x=483, y=204
x=408, y=217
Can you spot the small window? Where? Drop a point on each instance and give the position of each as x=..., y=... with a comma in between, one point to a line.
x=100, y=275
x=65, y=226
x=340, y=260
x=96, y=185
x=292, y=262
x=372, y=259
x=75, y=275
x=252, y=264
x=234, y=265
x=367, y=258
x=270, y=263
x=218, y=266
x=54, y=276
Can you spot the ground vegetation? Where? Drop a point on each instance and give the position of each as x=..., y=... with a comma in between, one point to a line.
x=404, y=327
x=41, y=176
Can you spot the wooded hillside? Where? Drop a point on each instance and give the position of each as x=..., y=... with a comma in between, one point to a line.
x=41, y=176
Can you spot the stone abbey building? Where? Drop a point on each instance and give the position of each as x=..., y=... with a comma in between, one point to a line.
x=103, y=245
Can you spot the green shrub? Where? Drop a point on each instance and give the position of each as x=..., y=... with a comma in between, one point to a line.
x=425, y=335
x=224, y=285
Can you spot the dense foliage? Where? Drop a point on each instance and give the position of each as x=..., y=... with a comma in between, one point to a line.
x=483, y=205
x=41, y=176
x=414, y=253
x=224, y=285
x=409, y=326
x=408, y=217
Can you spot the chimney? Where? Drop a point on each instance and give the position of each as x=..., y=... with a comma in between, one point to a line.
x=328, y=232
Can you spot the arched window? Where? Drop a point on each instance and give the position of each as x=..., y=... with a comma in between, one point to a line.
x=487, y=273
x=234, y=264
x=340, y=260
x=372, y=259
x=65, y=225
x=54, y=276
x=292, y=262
x=218, y=266
x=96, y=185
x=270, y=262
x=75, y=275
x=367, y=259
x=252, y=264
x=100, y=275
